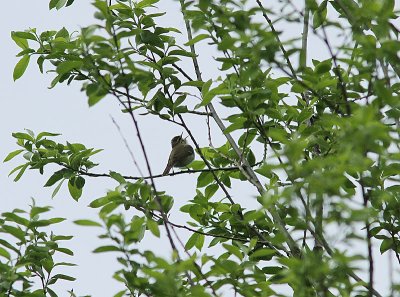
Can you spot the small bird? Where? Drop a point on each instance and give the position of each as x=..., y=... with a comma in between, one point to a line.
x=182, y=154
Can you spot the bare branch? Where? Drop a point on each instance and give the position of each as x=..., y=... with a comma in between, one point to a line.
x=127, y=146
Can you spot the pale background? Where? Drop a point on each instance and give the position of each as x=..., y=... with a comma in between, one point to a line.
x=28, y=103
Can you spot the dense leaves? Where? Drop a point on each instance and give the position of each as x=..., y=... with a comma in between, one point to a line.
x=40, y=151
x=317, y=137
x=27, y=252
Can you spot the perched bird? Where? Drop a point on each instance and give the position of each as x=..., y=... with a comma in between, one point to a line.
x=182, y=154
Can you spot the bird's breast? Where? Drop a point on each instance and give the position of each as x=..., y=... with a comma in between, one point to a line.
x=184, y=156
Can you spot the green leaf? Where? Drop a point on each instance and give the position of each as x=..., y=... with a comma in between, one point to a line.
x=194, y=83
x=118, y=177
x=15, y=169
x=67, y=66
x=12, y=155
x=234, y=250
x=181, y=53
x=239, y=124
x=38, y=210
x=386, y=245
x=99, y=202
x=44, y=134
x=40, y=62
x=107, y=248
x=262, y=254
x=8, y=245
x=53, y=4
x=208, y=94
x=207, y=98
x=121, y=293
x=62, y=237
x=272, y=270
x=47, y=35
x=391, y=169
x=153, y=227
x=278, y=134
x=58, y=175
x=87, y=223
x=21, y=171
x=9, y=216
x=20, y=135
x=65, y=251
x=146, y=3
x=55, y=81
x=50, y=221
x=197, y=164
x=57, y=188
x=44, y=223
x=204, y=179
x=320, y=15
x=95, y=98
x=304, y=115
x=323, y=67
x=16, y=232
x=210, y=190
x=24, y=35
x=64, y=264
x=64, y=277
x=5, y=253
x=21, y=66
x=200, y=242
x=58, y=4
x=196, y=39
x=215, y=241
x=19, y=40
x=30, y=132
x=79, y=182
x=247, y=138
x=151, y=38
x=63, y=33
x=191, y=241
x=179, y=100
x=75, y=192
x=206, y=87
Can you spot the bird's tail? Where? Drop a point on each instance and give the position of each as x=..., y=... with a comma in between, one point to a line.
x=167, y=169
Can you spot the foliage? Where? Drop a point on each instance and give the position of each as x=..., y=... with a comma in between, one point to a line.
x=31, y=257
x=319, y=141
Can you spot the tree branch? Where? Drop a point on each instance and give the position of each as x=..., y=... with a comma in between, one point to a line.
x=245, y=167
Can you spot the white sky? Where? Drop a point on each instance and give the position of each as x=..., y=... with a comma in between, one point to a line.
x=28, y=103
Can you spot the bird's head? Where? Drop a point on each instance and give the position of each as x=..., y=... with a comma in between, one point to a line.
x=178, y=140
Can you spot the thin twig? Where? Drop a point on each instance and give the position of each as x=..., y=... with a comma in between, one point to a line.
x=209, y=128
x=127, y=146
x=337, y=70
x=276, y=34
x=129, y=177
x=369, y=242
x=280, y=44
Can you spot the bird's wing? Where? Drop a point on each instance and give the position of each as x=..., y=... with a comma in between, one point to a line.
x=170, y=163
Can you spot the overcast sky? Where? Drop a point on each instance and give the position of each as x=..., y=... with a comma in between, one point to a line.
x=28, y=103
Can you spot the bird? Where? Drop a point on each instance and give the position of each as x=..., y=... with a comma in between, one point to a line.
x=182, y=154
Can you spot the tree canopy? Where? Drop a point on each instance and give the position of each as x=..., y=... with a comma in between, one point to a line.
x=317, y=138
